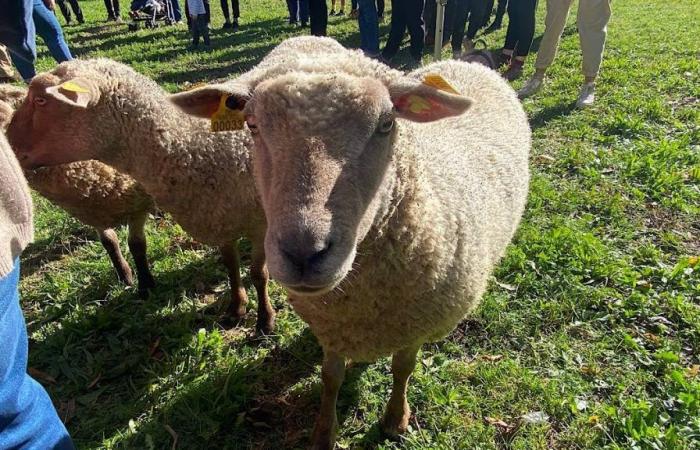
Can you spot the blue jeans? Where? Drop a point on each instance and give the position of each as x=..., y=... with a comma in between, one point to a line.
x=369, y=27
x=49, y=29
x=28, y=420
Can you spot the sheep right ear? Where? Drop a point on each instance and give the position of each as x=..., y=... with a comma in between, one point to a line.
x=75, y=92
x=205, y=101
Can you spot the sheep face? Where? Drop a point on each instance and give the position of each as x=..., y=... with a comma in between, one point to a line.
x=323, y=144
x=52, y=113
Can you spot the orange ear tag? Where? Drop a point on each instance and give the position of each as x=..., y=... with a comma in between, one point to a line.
x=225, y=119
x=439, y=83
x=72, y=86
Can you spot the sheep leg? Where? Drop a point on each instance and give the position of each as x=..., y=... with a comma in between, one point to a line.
x=398, y=412
x=110, y=242
x=332, y=375
x=239, y=298
x=260, y=276
x=137, y=247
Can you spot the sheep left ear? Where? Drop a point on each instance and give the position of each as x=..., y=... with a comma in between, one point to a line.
x=75, y=92
x=205, y=101
x=427, y=101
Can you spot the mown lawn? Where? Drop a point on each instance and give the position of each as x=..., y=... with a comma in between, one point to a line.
x=588, y=338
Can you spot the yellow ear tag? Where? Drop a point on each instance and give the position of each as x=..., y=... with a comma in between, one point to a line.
x=225, y=119
x=439, y=83
x=72, y=86
x=417, y=104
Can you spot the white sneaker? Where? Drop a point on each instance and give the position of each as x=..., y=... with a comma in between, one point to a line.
x=531, y=87
x=586, y=97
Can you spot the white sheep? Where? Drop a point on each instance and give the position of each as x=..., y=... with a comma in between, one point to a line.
x=383, y=230
x=96, y=195
x=104, y=110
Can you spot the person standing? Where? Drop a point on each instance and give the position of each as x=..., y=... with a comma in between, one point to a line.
x=592, y=20
x=298, y=12
x=113, y=13
x=199, y=22
x=235, y=7
x=521, y=30
x=500, y=12
x=46, y=25
x=466, y=10
x=318, y=13
x=368, y=21
x=66, y=11
x=405, y=14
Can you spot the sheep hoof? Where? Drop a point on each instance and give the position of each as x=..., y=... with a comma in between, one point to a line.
x=265, y=326
x=236, y=313
x=323, y=438
x=395, y=423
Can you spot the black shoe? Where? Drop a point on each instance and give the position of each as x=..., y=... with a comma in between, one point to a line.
x=227, y=25
x=235, y=25
x=81, y=20
x=304, y=25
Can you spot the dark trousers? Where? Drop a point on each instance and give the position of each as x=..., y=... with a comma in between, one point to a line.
x=405, y=14
x=430, y=16
x=66, y=11
x=234, y=6
x=474, y=11
x=207, y=8
x=112, y=8
x=298, y=11
x=521, y=26
x=318, y=12
x=200, y=27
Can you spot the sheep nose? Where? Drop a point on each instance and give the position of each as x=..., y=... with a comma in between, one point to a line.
x=304, y=252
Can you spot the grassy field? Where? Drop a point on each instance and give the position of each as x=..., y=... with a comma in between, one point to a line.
x=589, y=336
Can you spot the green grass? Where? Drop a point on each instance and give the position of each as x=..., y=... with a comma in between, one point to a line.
x=588, y=338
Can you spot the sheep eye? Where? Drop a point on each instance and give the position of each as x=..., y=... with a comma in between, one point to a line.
x=40, y=101
x=386, y=126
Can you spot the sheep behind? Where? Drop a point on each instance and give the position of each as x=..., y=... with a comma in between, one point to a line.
x=96, y=195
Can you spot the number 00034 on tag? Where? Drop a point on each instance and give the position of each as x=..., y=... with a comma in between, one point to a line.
x=225, y=119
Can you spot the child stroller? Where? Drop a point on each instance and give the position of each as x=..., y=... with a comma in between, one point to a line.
x=150, y=12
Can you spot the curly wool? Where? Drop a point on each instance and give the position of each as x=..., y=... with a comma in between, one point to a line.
x=92, y=192
x=456, y=190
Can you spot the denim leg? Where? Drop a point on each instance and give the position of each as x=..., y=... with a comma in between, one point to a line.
x=369, y=26
x=28, y=419
x=49, y=29
x=414, y=23
x=398, y=27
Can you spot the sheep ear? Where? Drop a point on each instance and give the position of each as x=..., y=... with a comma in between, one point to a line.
x=205, y=101
x=75, y=92
x=427, y=101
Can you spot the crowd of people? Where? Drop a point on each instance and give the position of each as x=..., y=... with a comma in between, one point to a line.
x=463, y=21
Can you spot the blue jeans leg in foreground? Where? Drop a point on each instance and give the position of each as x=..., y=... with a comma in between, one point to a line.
x=369, y=27
x=47, y=26
x=28, y=419
x=49, y=29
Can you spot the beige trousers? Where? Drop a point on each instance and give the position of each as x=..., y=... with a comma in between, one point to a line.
x=592, y=21
x=6, y=69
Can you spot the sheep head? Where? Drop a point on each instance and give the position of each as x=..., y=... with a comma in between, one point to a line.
x=323, y=143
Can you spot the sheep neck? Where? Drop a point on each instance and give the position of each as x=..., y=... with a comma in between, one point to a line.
x=170, y=153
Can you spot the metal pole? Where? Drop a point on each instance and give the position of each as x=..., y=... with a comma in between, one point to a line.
x=439, y=27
